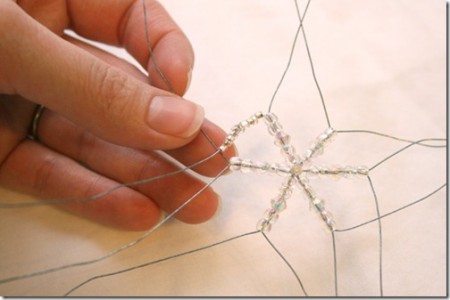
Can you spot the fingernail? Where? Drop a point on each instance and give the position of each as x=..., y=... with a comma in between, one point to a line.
x=175, y=116
x=189, y=78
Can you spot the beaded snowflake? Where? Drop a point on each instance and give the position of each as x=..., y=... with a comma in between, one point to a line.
x=296, y=168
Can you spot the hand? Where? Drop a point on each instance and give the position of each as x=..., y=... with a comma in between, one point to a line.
x=103, y=118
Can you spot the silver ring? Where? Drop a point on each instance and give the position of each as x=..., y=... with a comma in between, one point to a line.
x=35, y=123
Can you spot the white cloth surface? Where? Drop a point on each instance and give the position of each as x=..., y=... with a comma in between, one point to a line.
x=381, y=67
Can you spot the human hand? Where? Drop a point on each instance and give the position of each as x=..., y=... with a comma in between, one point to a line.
x=103, y=117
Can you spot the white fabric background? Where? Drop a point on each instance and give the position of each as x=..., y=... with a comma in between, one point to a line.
x=381, y=66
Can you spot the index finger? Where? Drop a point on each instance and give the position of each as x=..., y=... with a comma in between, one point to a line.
x=122, y=24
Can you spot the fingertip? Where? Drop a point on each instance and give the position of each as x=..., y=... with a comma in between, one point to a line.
x=139, y=217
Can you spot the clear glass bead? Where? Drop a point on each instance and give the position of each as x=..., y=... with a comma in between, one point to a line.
x=287, y=184
x=308, y=154
x=282, y=139
x=236, y=129
x=318, y=150
x=246, y=166
x=278, y=203
x=258, y=115
x=270, y=118
x=330, y=132
x=286, y=192
x=271, y=215
x=273, y=168
x=309, y=191
x=235, y=163
x=244, y=124
x=325, y=215
x=328, y=219
x=318, y=204
x=260, y=167
x=322, y=137
x=350, y=170
x=362, y=170
x=313, y=172
x=288, y=152
x=336, y=172
x=274, y=127
x=264, y=225
x=283, y=169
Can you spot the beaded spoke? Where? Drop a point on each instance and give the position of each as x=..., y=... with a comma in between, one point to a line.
x=294, y=167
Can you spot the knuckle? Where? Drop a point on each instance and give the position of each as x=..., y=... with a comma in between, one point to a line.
x=86, y=142
x=112, y=90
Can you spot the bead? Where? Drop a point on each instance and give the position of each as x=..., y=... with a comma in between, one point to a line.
x=246, y=166
x=287, y=183
x=296, y=169
x=330, y=132
x=362, y=170
x=336, y=172
x=313, y=172
x=253, y=120
x=273, y=168
x=236, y=129
x=270, y=118
x=279, y=169
x=271, y=215
x=260, y=167
x=259, y=115
x=308, y=154
x=235, y=163
x=318, y=204
x=278, y=203
x=286, y=192
x=244, y=124
x=264, y=225
x=309, y=191
x=274, y=127
x=323, y=137
x=325, y=215
x=288, y=152
x=283, y=169
x=282, y=139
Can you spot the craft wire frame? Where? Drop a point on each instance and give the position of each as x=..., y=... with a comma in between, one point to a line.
x=381, y=67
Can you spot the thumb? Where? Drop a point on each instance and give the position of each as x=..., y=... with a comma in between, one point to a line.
x=46, y=69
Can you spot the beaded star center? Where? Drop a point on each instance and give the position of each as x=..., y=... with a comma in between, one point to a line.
x=296, y=168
